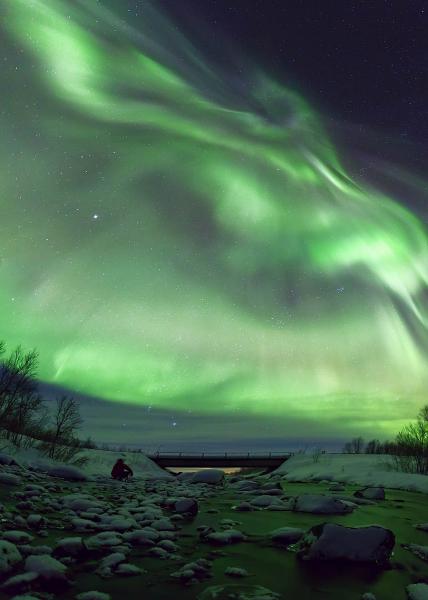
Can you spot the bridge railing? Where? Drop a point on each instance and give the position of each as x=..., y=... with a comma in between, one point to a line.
x=220, y=454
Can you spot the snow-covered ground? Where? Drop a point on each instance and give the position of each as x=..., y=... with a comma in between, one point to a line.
x=361, y=469
x=100, y=462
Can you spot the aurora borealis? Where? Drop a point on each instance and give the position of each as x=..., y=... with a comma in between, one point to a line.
x=173, y=237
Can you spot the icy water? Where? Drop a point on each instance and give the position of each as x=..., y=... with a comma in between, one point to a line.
x=274, y=568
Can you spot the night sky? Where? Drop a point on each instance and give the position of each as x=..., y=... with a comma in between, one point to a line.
x=214, y=215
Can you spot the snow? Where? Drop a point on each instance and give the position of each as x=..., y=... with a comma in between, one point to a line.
x=369, y=470
x=98, y=463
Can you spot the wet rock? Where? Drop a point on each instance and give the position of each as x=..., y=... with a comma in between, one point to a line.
x=223, y=538
x=128, y=570
x=186, y=505
x=265, y=501
x=236, y=572
x=51, y=573
x=418, y=550
x=330, y=541
x=321, y=505
x=93, y=595
x=336, y=487
x=238, y=592
x=371, y=493
x=285, y=536
x=210, y=476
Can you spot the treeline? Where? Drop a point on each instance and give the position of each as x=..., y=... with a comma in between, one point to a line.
x=24, y=418
x=409, y=449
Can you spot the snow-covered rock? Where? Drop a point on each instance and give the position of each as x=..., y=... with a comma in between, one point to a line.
x=417, y=591
x=51, y=573
x=17, y=537
x=9, y=556
x=36, y=521
x=330, y=541
x=142, y=537
x=128, y=570
x=418, y=550
x=223, y=538
x=105, y=539
x=71, y=546
x=371, y=470
x=19, y=583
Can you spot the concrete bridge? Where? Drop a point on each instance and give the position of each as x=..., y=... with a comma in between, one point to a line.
x=270, y=460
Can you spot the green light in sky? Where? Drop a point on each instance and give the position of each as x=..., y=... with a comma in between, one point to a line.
x=233, y=265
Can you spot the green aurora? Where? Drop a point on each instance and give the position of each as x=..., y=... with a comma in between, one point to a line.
x=170, y=237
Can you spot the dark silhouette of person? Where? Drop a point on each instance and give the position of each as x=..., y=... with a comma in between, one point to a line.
x=121, y=471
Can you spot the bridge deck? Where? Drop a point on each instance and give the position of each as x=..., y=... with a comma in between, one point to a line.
x=226, y=459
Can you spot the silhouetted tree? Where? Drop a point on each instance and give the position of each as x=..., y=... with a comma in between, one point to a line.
x=19, y=400
x=65, y=422
x=374, y=447
x=411, y=445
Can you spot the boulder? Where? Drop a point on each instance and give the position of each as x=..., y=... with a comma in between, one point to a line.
x=285, y=536
x=17, y=537
x=186, y=505
x=9, y=556
x=321, y=505
x=210, y=476
x=330, y=541
x=371, y=493
x=51, y=573
x=417, y=591
x=19, y=584
x=9, y=479
x=223, y=538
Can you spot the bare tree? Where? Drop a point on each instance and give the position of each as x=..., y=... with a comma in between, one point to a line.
x=66, y=421
x=17, y=381
x=411, y=448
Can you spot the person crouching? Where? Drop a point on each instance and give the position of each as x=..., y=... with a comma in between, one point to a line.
x=121, y=471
